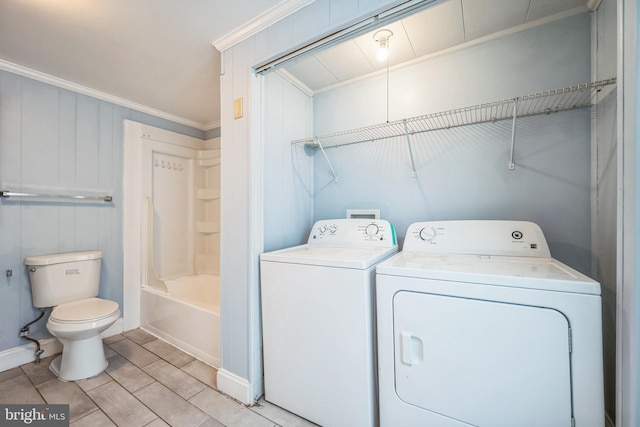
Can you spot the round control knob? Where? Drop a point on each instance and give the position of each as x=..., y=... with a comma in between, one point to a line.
x=322, y=229
x=428, y=234
x=332, y=229
x=372, y=229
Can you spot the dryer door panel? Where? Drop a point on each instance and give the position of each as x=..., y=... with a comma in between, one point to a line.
x=481, y=362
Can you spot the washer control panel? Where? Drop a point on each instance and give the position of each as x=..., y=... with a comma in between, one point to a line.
x=370, y=232
x=478, y=237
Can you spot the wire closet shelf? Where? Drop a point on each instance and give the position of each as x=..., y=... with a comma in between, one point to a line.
x=578, y=96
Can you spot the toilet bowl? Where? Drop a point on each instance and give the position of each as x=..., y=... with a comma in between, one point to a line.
x=78, y=325
x=69, y=283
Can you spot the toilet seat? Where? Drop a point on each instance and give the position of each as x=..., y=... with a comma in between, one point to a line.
x=83, y=311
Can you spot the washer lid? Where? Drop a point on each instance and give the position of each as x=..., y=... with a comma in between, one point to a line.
x=355, y=257
x=85, y=310
x=519, y=272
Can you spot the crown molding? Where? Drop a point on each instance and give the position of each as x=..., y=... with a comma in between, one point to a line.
x=295, y=82
x=74, y=87
x=270, y=17
x=211, y=125
x=593, y=5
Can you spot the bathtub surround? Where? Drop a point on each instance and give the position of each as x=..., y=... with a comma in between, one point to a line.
x=56, y=140
x=172, y=225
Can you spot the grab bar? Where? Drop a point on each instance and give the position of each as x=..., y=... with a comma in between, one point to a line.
x=7, y=194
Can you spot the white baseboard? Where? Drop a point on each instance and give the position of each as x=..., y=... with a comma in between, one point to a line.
x=24, y=354
x=17, y=356
x=235, y=386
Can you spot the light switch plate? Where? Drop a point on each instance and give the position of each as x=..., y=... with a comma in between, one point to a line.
x=237, y=108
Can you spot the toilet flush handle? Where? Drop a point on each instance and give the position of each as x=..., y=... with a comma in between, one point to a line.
x=32, y=269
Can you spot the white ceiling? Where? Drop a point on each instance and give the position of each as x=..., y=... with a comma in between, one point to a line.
x=434, y=29
x=158, y=53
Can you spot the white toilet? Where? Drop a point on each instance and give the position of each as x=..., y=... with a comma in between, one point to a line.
x=69, y=282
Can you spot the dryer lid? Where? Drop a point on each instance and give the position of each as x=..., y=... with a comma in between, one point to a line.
x=518, y=272
x=90, y=309
x=354, y=257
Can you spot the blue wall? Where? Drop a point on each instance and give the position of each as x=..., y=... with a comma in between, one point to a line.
x=462, y=173
x=288, y=169
x=57, y=141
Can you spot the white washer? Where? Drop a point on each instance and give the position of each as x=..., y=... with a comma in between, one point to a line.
x=318, y=322
x=479, y=326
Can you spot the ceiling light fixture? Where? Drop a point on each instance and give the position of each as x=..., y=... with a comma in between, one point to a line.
x=382, y=38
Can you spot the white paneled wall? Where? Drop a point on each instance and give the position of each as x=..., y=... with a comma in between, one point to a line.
x=241, y=213
x=288, y=169
x=54, y=140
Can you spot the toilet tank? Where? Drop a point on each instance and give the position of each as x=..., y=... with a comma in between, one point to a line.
x=60, y=278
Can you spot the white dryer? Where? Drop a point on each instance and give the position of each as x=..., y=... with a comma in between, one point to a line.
x=479, y=326
x=318, y=322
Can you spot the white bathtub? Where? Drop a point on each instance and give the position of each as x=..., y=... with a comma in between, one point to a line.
x=181, y=316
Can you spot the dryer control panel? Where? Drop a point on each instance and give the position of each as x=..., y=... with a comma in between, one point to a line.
x=341, y=232
x=478, y=237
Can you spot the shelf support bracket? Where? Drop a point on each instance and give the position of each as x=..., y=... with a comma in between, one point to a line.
x=326, y=159
x=413, y=164
x=512, y=165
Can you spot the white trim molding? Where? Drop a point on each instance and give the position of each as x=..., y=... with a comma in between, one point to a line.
x=295, y=82
x=628, y=290
x=103, y=96
x=235, y=387
x=268, y=18
x=593, y=5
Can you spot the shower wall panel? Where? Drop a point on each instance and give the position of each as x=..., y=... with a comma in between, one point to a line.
x=172, y=197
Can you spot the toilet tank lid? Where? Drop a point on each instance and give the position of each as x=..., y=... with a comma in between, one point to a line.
x=60, y=258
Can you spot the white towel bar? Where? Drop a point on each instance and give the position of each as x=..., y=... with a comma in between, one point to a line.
x=7, y=194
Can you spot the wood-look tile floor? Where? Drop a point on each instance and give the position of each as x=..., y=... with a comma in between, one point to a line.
x=148, y=383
